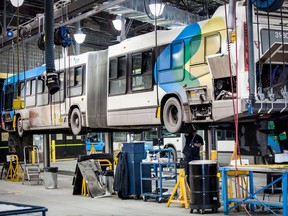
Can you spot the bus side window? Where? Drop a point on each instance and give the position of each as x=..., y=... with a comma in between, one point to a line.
x=22, y=89
x=28, y=88
x=30, y=100
x=9, y=96
x=59, y=96
x=72, y=77
x=78, y=76
x=117, y=76
x=142, y=71
x=42, y=93
x=196, y=51
x=212, y=44
x=76, y=81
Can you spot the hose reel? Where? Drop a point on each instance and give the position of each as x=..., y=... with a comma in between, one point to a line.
x=62, y=37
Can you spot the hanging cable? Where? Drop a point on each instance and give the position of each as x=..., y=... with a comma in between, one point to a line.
x=234, y=98
x=18, y=55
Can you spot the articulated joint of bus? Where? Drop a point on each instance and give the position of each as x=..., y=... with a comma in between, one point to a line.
x=199, y=103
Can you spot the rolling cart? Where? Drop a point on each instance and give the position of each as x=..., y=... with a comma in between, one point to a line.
x=160, y=172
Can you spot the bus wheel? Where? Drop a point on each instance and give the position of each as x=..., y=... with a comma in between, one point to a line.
x=19, y=126
x=76, y=122
x=172, y=115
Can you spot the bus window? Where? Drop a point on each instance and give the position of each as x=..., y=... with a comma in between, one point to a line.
x=177, y=55
x=120, y=137
x=9, y=96
x=142, y=71
x=196, y=51
x=22, y=89
x=150, y=135
x=28, y=88
x=76, y=81
x=117, y=79
x=59, y=96
x=78, y=76
x=215, y=40
x=42, y=93
x=72, y=77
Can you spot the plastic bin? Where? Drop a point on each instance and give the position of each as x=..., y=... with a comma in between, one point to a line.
x=50, y=177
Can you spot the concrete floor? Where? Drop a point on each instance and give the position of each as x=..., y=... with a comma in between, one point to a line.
x=61, y=202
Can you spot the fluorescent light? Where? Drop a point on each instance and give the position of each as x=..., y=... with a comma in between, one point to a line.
x=117, y=23
x=79, y=36
x=17, y=3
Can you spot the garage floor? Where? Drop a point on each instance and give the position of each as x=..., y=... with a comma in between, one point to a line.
x=61, y=202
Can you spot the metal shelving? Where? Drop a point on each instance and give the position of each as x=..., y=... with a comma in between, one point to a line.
x=160, y=172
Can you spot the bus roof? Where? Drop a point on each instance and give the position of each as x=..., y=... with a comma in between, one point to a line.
x=25, y=75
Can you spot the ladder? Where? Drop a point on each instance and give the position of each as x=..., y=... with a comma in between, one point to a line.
x=31, y=167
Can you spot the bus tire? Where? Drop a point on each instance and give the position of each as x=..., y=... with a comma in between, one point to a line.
x=19, y=126
x=76, y=121
x=172, y=115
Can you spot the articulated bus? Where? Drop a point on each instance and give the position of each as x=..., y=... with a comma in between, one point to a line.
x=197, y=74
x=77, y=105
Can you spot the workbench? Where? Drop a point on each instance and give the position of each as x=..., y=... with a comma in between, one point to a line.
x=251, y=198
x=7, y=208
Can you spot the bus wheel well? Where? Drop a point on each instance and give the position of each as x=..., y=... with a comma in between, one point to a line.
x=173, y=151
x=70, y=112
x=173, y=114
x=19, y=125
x=75, y=120
x=164, y=100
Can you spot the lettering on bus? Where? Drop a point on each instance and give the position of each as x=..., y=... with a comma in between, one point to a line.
x=274, y=36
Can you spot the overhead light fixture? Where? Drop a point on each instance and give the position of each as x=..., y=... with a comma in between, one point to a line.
x=79, y=36
x=17, y=3
x=117, y=23
x=9, y=33
x=156, y=7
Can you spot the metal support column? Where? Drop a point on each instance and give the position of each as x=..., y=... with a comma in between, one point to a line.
x=77, y=45
x=207, y=147
x=108, y=139
x=46, y=150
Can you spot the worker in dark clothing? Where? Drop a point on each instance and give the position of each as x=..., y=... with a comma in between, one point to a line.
x=191, y=149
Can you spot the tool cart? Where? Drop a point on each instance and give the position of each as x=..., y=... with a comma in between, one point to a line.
x=160, y=172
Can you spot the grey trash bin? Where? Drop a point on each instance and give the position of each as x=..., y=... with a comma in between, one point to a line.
x=50, y=177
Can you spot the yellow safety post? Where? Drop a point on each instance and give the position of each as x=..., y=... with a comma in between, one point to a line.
x=84, y=190
x=213, y=155
x=33, y=159
x=184, y=190
x=14, y=171
x=53, y=151
x=93, y=150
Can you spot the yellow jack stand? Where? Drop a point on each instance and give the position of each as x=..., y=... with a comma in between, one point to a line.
x=93, y=150
x=85, y=190
x=183, y=198
x=14, y=172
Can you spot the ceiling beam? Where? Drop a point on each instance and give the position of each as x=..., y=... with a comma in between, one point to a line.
x=73, y=12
